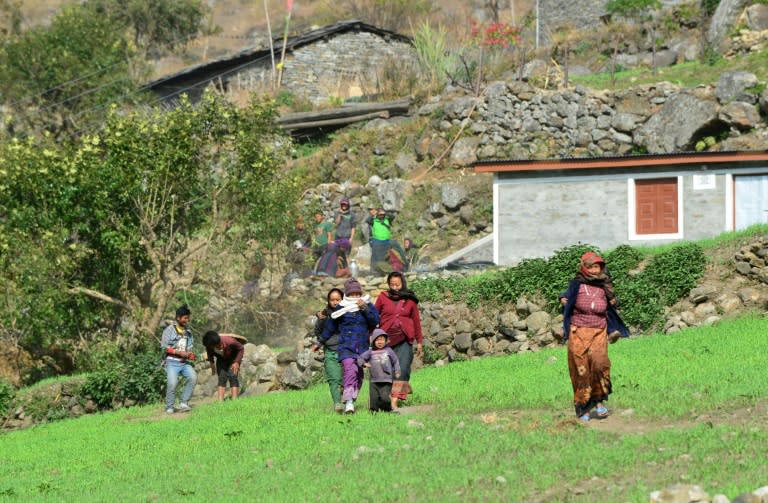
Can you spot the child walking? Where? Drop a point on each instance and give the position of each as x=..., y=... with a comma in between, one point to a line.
x=353, y=321
x=384, y=368
x=331, y=363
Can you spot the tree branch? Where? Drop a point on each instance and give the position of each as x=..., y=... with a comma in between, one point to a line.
x=98, y=295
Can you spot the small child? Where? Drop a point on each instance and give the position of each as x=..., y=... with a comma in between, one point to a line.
x=384, y=368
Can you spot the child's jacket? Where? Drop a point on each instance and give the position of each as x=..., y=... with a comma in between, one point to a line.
x=384, y=364
x=353, y=329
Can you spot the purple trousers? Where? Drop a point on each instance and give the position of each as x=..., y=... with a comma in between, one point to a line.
x=353, y=379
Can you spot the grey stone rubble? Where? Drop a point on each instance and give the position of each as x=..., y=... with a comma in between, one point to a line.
x=751, y=261
x=687, y=493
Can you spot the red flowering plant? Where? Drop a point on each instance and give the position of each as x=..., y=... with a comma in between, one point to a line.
x=495, y=35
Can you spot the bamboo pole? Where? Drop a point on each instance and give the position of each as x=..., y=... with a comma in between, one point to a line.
x=271, y=45
x=285, y=42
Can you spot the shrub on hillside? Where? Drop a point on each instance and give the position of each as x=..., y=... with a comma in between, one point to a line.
x=639, y=302
x=623, y=259
x=676, y=271
x=668, y=276
x=7, y=394
x=137, y=379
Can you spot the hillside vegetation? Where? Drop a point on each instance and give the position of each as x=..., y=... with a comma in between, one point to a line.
x=76, y=272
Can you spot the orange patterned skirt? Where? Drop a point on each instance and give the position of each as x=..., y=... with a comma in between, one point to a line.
x=589, y=367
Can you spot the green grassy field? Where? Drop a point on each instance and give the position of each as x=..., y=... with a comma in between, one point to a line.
x=689, y=407
x=689, y=74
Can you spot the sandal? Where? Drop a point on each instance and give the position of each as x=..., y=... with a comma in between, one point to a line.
x=602, y=411
x=584, y=418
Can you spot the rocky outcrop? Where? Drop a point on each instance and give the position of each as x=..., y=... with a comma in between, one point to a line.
x=516, y=121
x=725, y=18
x=687, y=493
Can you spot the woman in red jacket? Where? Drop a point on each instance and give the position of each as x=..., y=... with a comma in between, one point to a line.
x=399, y=316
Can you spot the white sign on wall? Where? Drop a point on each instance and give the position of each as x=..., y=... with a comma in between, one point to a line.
x=704, y=182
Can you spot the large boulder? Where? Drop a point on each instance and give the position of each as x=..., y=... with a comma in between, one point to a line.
x=453, y=196
x=677, y=125
x=757, y=17
x=464, y=152
x=740, y=115
x=726, y=15
x=732, y=86
x=392, y=193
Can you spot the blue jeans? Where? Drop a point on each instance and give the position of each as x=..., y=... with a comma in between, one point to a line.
x=173, y=369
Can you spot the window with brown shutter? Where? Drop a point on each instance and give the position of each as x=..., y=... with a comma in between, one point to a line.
x=656, y=206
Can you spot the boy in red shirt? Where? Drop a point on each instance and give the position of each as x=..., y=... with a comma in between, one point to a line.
x=228, y=354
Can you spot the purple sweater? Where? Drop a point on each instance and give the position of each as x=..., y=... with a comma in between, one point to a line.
x=384, y=364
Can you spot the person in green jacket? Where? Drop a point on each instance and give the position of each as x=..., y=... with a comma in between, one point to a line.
x=381, y=234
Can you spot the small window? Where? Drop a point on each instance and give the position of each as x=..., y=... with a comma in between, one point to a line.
x=654, y=209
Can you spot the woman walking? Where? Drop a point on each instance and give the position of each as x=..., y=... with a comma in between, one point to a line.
x=398, y=309
x=588, y=317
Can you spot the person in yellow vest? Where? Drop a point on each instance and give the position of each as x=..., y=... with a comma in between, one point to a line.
x=176, y=344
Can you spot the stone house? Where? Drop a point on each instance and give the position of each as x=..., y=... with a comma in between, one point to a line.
x=540, y=206
x=344, y=60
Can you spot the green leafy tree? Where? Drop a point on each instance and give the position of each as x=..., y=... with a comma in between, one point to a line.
x=171, y=184
x=59, y=78
x=155, y=26
x=40, y=251
x=114, y=226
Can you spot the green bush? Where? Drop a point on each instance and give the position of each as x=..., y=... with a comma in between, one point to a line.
x=623, y=259
x=639, y=302
x=7, y=394
x=431, y=355
x=668, y=276
x=138, y=379
x=675, y=271
x=101, y=386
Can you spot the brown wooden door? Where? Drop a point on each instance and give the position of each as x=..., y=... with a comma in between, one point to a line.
x=656, y=202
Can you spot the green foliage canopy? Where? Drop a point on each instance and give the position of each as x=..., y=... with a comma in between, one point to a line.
x=155, y=26
x=57, y=78
x=118, y=221
x=637, y=9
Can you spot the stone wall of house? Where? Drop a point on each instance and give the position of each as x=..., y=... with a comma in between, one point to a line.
x=343, y=66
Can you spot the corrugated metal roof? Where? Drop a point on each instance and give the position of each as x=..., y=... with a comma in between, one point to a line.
x=253, y=54
x=678, y=158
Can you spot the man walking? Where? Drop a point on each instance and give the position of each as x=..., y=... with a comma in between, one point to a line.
x=176, y=344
